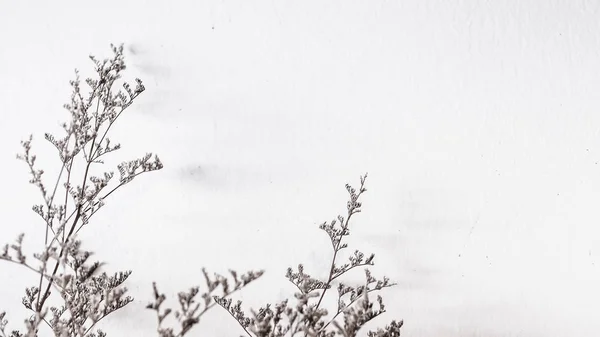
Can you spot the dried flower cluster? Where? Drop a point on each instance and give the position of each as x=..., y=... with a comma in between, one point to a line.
x=87, y=294
x=307, y=317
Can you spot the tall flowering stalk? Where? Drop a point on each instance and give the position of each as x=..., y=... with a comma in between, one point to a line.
x=86, y=295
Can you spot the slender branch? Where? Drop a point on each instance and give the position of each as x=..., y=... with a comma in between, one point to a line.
x=340, y=310
x=42, y=300
x=243, y=327
x=67, y=193
x=208, y=307
x=52, y=199
x=351, y=211
x=335, y=251
x=349, y=268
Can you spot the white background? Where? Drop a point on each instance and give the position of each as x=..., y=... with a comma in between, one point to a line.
x=476, y=120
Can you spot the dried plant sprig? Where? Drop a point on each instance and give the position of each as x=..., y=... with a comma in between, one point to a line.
x=88, y=295
x=307, y=318
x=190, y=308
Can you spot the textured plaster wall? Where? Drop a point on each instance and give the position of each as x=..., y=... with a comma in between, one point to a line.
x=477, y=121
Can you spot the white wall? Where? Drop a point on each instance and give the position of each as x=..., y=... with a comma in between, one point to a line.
x=476, y=120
